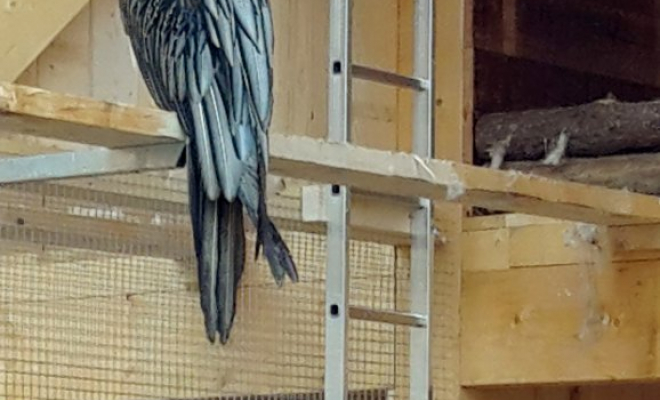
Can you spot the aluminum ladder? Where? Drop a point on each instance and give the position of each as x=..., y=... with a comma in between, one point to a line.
x=338, y=312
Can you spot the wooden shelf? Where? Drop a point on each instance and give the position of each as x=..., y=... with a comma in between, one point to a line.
x=46, y=114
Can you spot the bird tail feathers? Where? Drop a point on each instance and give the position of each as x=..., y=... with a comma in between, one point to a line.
x=220, y=264
x=277, y=253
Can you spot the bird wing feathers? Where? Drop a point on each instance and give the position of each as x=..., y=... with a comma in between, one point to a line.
x=210, y=61
x=189, y=51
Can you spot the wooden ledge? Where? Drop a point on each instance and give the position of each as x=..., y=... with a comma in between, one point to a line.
x=45, y=114
x=402, y=174
x=31, y=111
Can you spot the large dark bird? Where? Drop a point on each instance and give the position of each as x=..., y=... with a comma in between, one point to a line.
x=210, y=61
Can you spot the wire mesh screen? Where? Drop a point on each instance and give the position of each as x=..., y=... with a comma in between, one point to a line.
x=99, y=301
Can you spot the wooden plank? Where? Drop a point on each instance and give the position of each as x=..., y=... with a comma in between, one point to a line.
x=137, y=210
x=367, y=214
x=589, y=323
x=92, y=233
x=27, y=27
x=518, y=246
x=399, y=173
x=635, y=172
x=453, y=129
x=558, y=310
x=107, y=41
x=504, y=221
x=364, y=394
x=37, y=112
x=63, y=66
x=47, y=114
x=387, y=317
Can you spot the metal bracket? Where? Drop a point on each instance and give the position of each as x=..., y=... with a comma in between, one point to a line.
x=93, y=162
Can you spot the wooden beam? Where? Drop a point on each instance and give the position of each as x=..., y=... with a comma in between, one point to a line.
x=504, y=221
x=454, y=74
x=400, y=174
x=383, y=219
x=99, y=234
x=47, y=114
x=37, y=112
x=635, y=172
x=27, y=27
x=516, y=245
x=137, y=227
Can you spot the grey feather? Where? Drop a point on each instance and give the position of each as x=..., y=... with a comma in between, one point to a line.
x=209, y=266
x=204, y=154
x=232, y=258
x=229, y=167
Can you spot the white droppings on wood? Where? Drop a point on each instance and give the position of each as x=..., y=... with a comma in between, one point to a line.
x=581, y=233
x=591, y=241
x=497, y=152
x=7, y=97
x=555, y=156
x=511, y=178
x=420, y=165
x=610, y=98
x=274, y=185
x=156, y=219
x=455, y=186
x=111, y=212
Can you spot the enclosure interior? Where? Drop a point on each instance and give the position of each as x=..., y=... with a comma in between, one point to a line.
x=100, y=298
x=100, y=293
x=540, y=305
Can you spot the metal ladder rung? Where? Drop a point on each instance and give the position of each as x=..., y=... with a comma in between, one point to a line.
x=387, y=317
x=388, y=78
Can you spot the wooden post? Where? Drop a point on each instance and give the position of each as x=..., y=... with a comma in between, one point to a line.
x=454, y=76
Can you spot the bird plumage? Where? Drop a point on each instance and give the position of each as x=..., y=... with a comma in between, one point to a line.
x=210, y=62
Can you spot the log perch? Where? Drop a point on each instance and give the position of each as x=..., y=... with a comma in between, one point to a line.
x=604, y=127
x=635, y=172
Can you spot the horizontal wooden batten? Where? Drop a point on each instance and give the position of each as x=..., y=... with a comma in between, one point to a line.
x=41, y=113
x=404, y=174
x=523, y=242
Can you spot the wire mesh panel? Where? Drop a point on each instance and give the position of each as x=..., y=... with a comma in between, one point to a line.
x=99, y=300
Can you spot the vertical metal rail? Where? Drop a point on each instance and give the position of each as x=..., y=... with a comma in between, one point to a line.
x=337, y=269
x=422, y=244
x=341, y=71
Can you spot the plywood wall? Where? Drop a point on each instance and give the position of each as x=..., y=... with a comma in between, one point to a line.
x=100, y=297
x=91, y=58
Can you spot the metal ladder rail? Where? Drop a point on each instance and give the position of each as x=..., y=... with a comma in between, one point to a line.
x=337, y=273
x=338, y=312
